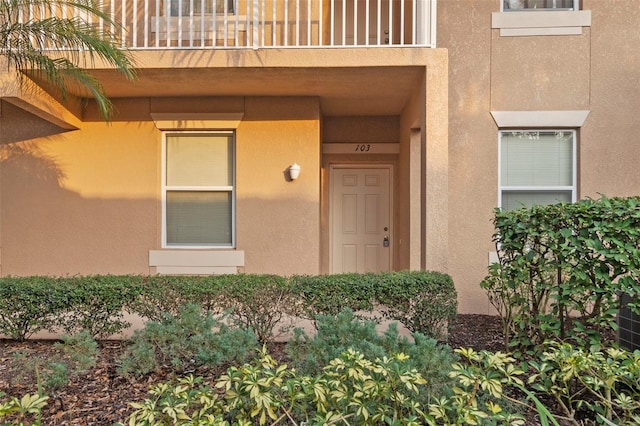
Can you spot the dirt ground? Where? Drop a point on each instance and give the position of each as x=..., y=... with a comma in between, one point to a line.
x=100, y=396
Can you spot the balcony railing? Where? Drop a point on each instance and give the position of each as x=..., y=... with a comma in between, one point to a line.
x=255, y=24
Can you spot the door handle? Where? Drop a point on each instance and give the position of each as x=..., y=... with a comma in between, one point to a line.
x=385, y=241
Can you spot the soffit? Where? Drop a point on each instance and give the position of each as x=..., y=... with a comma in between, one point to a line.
x=372, y=90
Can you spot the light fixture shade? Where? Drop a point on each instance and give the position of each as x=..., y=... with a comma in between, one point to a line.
x=294, y=171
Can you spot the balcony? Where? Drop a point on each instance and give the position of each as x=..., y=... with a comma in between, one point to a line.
x=257, y=24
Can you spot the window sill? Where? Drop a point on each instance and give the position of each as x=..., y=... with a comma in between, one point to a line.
x=196, y=262
x=533, y=23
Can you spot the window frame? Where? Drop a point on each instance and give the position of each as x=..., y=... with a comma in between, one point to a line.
x=576, y=6
x=574, y=166
x=227, y=189
x=183, y=8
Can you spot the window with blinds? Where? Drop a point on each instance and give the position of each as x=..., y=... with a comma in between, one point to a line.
x=199, y=189
x=539, y=5
x=201, y=7
x=537, y=167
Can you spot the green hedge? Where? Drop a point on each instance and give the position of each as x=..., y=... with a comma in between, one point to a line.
x=95, y=304
x=423, y=301
x=266, y=304
x=561, y=268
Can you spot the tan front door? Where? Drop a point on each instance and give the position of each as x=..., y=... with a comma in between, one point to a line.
x=360, y=226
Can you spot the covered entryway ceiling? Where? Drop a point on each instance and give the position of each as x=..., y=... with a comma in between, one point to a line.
x=342, y=91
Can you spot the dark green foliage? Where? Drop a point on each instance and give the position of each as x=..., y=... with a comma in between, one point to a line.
x=423, y=301
x=337, y=334
x=162, y=294
x=252, y=301
x=95, y=304
x=330, y=294
x=28, y=305
x=184, y=342
x=561, y=268
x=259, y=303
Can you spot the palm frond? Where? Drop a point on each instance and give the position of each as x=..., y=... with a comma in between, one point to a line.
x=37, y=35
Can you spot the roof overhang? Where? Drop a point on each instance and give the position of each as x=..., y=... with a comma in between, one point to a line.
x=32, y=98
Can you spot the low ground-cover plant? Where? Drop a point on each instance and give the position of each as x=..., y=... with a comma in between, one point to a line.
x=337, y=334
x=590, y=385
x=350, y=390
x=561, y=269
x=26, y=410
x=74, y=355
x=184, y=342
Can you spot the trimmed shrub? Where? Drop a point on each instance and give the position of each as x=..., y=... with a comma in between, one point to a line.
x=29, y=305
x=96, y=303
x=264, y=304
x=423, y=301
x=330, y=294
x=163, y=295
x=93, y=303
x=561, y=268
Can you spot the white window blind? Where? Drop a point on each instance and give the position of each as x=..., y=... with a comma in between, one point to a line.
x=199, y=189
x=540, y=5
x=536, y=167
x=183, y=7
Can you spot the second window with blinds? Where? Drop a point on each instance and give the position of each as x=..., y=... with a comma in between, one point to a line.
x=537, y=167
x=198, y=189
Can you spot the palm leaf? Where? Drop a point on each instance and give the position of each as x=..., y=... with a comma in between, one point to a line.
x=37, y=36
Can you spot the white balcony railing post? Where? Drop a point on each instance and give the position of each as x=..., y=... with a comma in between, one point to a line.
x=210, y=24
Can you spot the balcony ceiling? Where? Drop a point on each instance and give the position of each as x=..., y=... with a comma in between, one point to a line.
x=367, y=90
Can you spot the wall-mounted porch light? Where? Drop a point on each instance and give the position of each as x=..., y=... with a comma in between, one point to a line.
x=294, y=171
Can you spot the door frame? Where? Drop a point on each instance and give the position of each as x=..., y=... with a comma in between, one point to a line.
x=359, y=165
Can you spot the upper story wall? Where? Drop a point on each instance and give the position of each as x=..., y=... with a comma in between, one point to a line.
x=593, y=67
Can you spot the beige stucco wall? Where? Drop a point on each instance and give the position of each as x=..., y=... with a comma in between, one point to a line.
x=88, y=202
x=597, y=71
x=80, y=202
x=472, y=145
x=610, y=140
x=279, y=221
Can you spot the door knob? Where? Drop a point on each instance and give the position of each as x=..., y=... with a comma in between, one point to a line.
x=385, y=241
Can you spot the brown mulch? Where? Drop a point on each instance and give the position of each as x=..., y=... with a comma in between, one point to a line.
x=101, y=396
